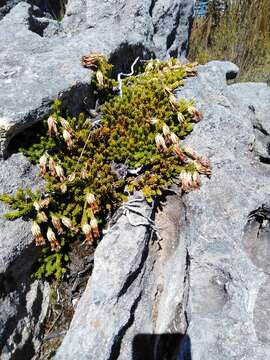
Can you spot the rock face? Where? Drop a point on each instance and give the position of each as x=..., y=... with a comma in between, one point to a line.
x=202, y=291
x=23, y=301
x=40, y=57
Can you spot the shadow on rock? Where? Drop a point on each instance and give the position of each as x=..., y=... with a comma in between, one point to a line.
x=161, y=347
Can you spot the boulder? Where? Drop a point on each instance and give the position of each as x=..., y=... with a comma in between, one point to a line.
x=196, y=285
x=40, y=56
x=23, y=300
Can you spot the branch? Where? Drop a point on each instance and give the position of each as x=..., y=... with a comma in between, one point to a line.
x=122, y=74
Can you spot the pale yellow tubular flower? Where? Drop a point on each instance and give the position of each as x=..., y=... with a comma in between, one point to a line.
x=63, y=188
x=55, y=246
x=180, y=117
x=179, y=153
x=87, y=230
x=90, y=198
x=51, y=235
x=35, y=228
x=149, y=66
x=196, y=180
x=36, y=231
x=203, y=167
x=173, y=101
x=36, y=205
x=83, y=174
x=68, y=139
x=60, y=172
x=191, y=153
x=100, y=78
x=57, y=224
x=94, y=226
x=52, y=126
x=68, y=223
x=186, y=181
x=154, y=121
x=71, y=177
x=66, y=125
x=160, y=142
x=173, y=138
x=52, y=165
x=191, y=109
x=42, y=217
x=42, y=164
x=166, y=130
x=44, y=203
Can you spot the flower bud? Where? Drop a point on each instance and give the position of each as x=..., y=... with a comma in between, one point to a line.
x=173, y=138
x=60, y=172
x=57, y=224
x=44, y=203
x=166, y=130
x=68, y=223
x=83, y=174
x=94, y=226
x=42, y=217
x=71, y=177
x=63, y=188
x=68, y=139
x=51, y=235
x=86, y=229
x=179, y=153
x=36, y=231
x=191, y=109
x=52, y=127
x=190, y=153
x=173, y=101
x=180, y=117
x=160, y=142
x=42, y=164
x=36, y=205
x=90, y=198
x=100, y=78
x=154, y=121
x=186, y=181
x=66, y=125
x=52, y=165
x=203, y=167
x=35, y=228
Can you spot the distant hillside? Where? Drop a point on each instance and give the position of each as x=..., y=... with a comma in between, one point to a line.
x=238, y=31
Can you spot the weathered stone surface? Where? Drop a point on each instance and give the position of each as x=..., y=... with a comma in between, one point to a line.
x=23, y=301
x=228, y=257
x=132, y=292
x=40, y=57
x=6, y=6
x=207, y=280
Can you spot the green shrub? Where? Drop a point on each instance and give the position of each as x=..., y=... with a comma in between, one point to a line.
x=140, y=130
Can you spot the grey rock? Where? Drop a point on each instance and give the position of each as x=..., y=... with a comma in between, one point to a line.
x=40, y=57
x=23, y=301
x=132, y=292
x=228, y=257
x=201, y=292
x=6, y=6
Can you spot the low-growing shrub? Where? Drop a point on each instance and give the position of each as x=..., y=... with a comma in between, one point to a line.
x=90, y=166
